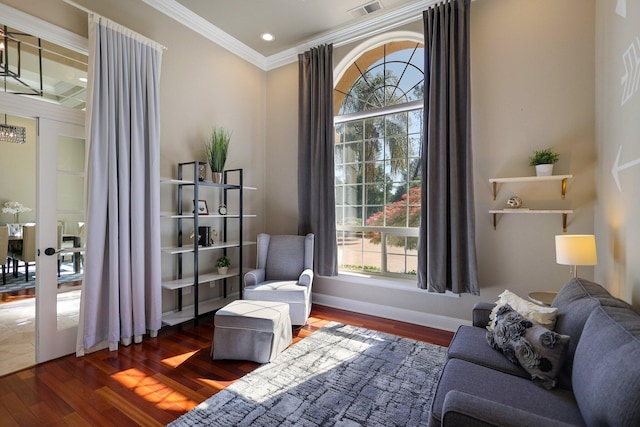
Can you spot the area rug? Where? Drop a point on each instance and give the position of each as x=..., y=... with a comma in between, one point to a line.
x=341, y=375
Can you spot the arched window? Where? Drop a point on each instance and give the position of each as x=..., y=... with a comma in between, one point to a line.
x=378, y=116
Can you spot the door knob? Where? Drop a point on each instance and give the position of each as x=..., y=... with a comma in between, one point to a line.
x=50, y=251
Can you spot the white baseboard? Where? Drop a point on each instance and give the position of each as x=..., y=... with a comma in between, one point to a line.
x=393, y=313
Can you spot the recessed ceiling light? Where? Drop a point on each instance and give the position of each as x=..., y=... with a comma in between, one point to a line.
x=268, y=37
x=82, y=79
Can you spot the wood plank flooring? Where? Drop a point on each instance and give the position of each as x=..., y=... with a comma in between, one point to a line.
x=153, y=383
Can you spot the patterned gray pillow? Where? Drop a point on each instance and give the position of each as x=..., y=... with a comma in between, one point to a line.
x=538, y=350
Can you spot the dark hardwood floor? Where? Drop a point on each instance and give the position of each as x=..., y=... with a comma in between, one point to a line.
x=153, y=383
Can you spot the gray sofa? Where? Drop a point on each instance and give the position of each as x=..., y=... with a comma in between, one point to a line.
x=599, y=382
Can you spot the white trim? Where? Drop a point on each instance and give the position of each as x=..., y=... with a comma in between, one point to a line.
x=25, y=106
x=393, y=313
x=193, y=21
x=372, y=43
x=37, y=27
x=361, y=30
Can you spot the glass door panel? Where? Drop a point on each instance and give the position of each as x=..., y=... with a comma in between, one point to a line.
x=70, y=204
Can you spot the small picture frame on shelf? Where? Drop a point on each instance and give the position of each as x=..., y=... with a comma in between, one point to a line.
x=202, y=207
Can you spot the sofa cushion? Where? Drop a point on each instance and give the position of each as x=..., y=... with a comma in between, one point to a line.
x=538, y=350
x=509, y=390
x=606, y=367
x=545, y=316
x=470, y=344
x=575, y=302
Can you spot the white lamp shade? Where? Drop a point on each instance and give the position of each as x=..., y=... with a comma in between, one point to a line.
x=576, y=249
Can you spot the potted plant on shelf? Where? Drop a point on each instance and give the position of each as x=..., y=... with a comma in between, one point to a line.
x=544, y=160
x=216, y=149
x=223, y=263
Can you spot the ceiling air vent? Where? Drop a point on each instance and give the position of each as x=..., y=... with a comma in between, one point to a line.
x=366, y=9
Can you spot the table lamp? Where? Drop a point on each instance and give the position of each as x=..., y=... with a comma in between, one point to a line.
x=576, y=249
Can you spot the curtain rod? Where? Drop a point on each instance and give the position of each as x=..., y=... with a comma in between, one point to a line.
x=91, y=12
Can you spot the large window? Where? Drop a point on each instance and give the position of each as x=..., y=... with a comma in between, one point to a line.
x=377, y=160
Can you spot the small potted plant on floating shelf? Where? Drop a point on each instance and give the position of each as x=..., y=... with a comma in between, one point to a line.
x=544, y=160
x=223, y=263
x=216, y=149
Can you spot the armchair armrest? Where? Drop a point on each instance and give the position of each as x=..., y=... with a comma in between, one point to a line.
x=254, y=277
x=306, y=277
x=466, y=410
x=481, y=311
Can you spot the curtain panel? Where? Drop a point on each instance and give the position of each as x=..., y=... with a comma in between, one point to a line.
x=316, y=174
x=121, y=298
x=446, y=249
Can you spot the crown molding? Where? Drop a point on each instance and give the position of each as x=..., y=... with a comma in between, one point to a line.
x=195, y=22
x=353, y=33
x=363, y=29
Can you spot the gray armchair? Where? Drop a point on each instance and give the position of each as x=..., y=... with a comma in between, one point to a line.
x=284, y=273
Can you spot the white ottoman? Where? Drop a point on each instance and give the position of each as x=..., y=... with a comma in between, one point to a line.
x=251, y=330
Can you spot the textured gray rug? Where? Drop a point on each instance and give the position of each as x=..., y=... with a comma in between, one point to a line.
x=340, y=375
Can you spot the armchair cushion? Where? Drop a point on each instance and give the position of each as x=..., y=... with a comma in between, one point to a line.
x=285, y=258
x=287, y=291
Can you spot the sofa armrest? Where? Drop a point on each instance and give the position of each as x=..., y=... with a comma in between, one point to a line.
x=481, y=311
x=254, y=277
x=306, y=277
x=466, y=410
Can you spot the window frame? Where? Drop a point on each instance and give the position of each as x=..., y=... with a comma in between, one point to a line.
x=384, y=231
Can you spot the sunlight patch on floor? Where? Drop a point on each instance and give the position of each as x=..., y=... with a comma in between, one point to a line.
x=152, y=390
x=176, y=361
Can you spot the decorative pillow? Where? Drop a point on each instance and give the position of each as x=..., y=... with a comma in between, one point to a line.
x=544, y=316
x=538, y=350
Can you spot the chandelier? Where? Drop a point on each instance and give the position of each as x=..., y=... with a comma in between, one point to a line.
x=13, y=134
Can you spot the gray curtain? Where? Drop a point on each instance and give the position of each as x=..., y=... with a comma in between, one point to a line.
x=446, y=250
x=316, y=175
x=121, y=299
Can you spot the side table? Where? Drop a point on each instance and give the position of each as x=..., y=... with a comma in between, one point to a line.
x=542, y=297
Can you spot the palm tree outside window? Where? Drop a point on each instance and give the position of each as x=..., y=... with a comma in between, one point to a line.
x=378, y=124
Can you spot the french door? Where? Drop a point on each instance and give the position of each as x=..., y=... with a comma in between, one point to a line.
x=60, y=163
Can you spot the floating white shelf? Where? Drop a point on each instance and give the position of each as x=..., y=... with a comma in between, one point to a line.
x=564, y=213
x=190, y=215
x=562, y=178
x=186, y=249
x=186, y=282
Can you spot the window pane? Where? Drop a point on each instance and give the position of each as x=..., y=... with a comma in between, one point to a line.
x=353, y=131
x=352, y=152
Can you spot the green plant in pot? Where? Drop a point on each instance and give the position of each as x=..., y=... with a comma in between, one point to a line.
x=216, y=149
x=223, y=263
x=544, y=160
